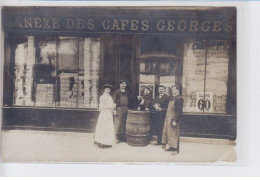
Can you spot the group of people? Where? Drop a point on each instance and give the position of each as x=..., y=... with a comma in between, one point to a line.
x=164, y=111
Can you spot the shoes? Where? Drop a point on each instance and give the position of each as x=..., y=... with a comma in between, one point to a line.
x=104, y=146
x=169, y=149
x=157, y=144
x=96, y=142
x=117, y=139
x=163, y=146
x=175, y=152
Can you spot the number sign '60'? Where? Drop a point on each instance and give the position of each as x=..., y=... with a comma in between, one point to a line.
x=204, y=104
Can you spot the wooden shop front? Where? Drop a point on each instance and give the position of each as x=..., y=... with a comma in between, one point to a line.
x=57, y=59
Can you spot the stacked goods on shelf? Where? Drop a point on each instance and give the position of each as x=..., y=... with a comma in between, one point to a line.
x=81, y=91
x=20, y=56
x=95, y=72
x=29, y=71
x=74, y=93
x=67, y=87
x=87, y=74
x=24, y=63
x=44, y=95
x=91, y=71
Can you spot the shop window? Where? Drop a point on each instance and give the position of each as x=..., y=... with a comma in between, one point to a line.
x=205, y=76
x=57, y=72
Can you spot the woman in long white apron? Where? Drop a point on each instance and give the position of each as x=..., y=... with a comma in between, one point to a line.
x=104, y=134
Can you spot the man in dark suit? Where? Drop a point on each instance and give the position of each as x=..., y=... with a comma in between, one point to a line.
x=158, y=113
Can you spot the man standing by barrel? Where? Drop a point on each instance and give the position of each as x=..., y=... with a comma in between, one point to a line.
x=160, y=105
x=120, y=98
x=171, y=128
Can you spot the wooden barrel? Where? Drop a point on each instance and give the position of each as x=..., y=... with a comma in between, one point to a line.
x=138, y=128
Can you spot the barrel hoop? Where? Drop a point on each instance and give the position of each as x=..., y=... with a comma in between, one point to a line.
x=138, y=135
x=130, y=122
x=137, y=145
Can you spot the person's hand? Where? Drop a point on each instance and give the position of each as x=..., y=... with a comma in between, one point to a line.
x=156, y=106
x=174, y=123
x=142, y=102
x=114, y=112
x=114, y=106
x=139, y=97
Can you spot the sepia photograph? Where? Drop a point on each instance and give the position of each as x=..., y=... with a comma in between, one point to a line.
x=119, y=84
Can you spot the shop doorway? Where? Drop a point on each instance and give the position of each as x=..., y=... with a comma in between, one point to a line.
x=159, y=62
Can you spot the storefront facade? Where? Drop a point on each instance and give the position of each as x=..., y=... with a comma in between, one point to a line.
x=57, y=59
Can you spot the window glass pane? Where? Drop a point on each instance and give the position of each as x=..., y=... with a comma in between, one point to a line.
x=91, y=61
x=147, y=68
x=45, y=72
x=57, y=71
x=159, y=46
x=193, y=76
x=147, y=76
x=167, y=75
x=81, y=74
x=67, y=71
x=216, y=76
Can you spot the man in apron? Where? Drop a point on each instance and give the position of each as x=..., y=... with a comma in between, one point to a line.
x=171, y=130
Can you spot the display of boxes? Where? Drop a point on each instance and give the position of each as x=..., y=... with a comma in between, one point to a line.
x=44, y=95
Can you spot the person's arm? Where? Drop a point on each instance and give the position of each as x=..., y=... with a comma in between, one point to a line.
x=115, y=97
x=178, y=109
x=102, y=104
x=150, y=105
x=165, y=103
x=153, y=104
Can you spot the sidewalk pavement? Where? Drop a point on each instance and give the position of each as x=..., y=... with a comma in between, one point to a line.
x=49, y=146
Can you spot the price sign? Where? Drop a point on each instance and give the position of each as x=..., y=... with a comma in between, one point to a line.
x=204, y=102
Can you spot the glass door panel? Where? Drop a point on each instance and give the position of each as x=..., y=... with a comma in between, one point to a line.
x=147, y=77
x=166, y=75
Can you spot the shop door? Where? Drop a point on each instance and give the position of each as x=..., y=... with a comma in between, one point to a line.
x=159, y=62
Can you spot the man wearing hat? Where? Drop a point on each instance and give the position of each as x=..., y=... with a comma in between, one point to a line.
x=121, y=97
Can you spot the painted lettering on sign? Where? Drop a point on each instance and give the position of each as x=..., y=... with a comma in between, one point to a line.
x=122, y=24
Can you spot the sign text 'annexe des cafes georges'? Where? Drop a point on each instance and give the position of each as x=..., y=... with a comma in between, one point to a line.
x=122, y=23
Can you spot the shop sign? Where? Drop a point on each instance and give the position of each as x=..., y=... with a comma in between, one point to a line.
x=44, y=21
